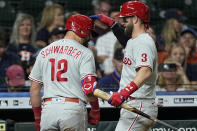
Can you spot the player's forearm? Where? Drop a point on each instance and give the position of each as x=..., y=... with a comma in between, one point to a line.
x=35, y=94
x=91, y=97
x=142, y=76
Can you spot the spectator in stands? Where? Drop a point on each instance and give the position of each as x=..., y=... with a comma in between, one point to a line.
x=172, y=78
x=178, y=54
x=52, y=17
x=186, y=70
x=101, y=7
x=22, y=40
x=161, y=55
x=188, y=39
x=111, y=82
x=28, y=70
x=57, y=34
x=151, y=32
x=6, y=58
x=105, y=46
x=171, y=29
x=15, y=79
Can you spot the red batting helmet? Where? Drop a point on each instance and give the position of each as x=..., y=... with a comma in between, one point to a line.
x=132, y=8
x=80, y=24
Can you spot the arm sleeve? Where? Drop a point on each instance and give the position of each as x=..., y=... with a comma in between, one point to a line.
x=87, y=66
x=119, y=33
x=144, y=56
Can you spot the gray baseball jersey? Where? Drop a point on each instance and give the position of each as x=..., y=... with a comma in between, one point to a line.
x=60, y=67
x=139, y=52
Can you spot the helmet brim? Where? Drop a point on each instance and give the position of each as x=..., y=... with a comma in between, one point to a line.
x=120, y=15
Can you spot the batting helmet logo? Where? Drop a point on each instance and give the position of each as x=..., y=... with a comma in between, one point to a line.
x=80, y=24
x=135, y=8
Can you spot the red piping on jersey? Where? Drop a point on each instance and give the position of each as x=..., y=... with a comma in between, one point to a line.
x=87, y=76
x=33, y=79
x=144, y=66
x=132, y=123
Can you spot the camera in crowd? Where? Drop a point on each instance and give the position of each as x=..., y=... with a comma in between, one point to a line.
x=166, y=67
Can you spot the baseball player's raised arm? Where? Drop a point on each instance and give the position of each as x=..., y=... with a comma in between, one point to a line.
x=119, y=33
x=116, y=28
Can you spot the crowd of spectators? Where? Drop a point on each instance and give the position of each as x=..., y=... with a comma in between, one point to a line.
x=176, y=44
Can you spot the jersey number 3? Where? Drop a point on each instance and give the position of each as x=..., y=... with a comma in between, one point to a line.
x=144, y=57
x=59, y=66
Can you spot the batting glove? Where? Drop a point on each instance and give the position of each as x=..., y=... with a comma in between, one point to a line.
x=37, y=116
x=94, y=114
x=104, y=19
x=118, y=98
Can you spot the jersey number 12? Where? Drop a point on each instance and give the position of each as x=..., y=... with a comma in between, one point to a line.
x=61, y=71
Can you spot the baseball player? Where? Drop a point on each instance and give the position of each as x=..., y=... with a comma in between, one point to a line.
x=66, y=70
x=139, y=73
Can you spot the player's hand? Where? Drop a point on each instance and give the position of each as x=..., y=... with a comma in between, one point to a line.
x=94, y=116
x=37, y=116
x=104, y=19
x=116, y=99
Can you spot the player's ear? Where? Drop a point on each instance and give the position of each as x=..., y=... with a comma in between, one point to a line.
x=135, y=19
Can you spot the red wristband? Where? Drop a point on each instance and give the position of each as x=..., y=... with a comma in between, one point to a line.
x=37, y=112
x=94, y=104
x=129, y=89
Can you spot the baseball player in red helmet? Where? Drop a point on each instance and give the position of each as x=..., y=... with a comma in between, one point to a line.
x=66, y=71
x=139, y=73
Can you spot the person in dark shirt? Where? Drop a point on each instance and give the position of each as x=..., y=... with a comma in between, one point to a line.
x=6, y=59
x=57, y=34
x=111, y=82
x=22, y=40
x=52, y=17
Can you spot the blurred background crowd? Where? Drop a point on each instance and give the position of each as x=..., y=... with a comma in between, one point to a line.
x=28, y=26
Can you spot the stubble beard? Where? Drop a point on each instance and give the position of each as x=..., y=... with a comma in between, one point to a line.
x=129, y=30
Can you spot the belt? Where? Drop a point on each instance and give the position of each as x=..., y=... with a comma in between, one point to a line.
x=134, y=98
x=76, y=100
